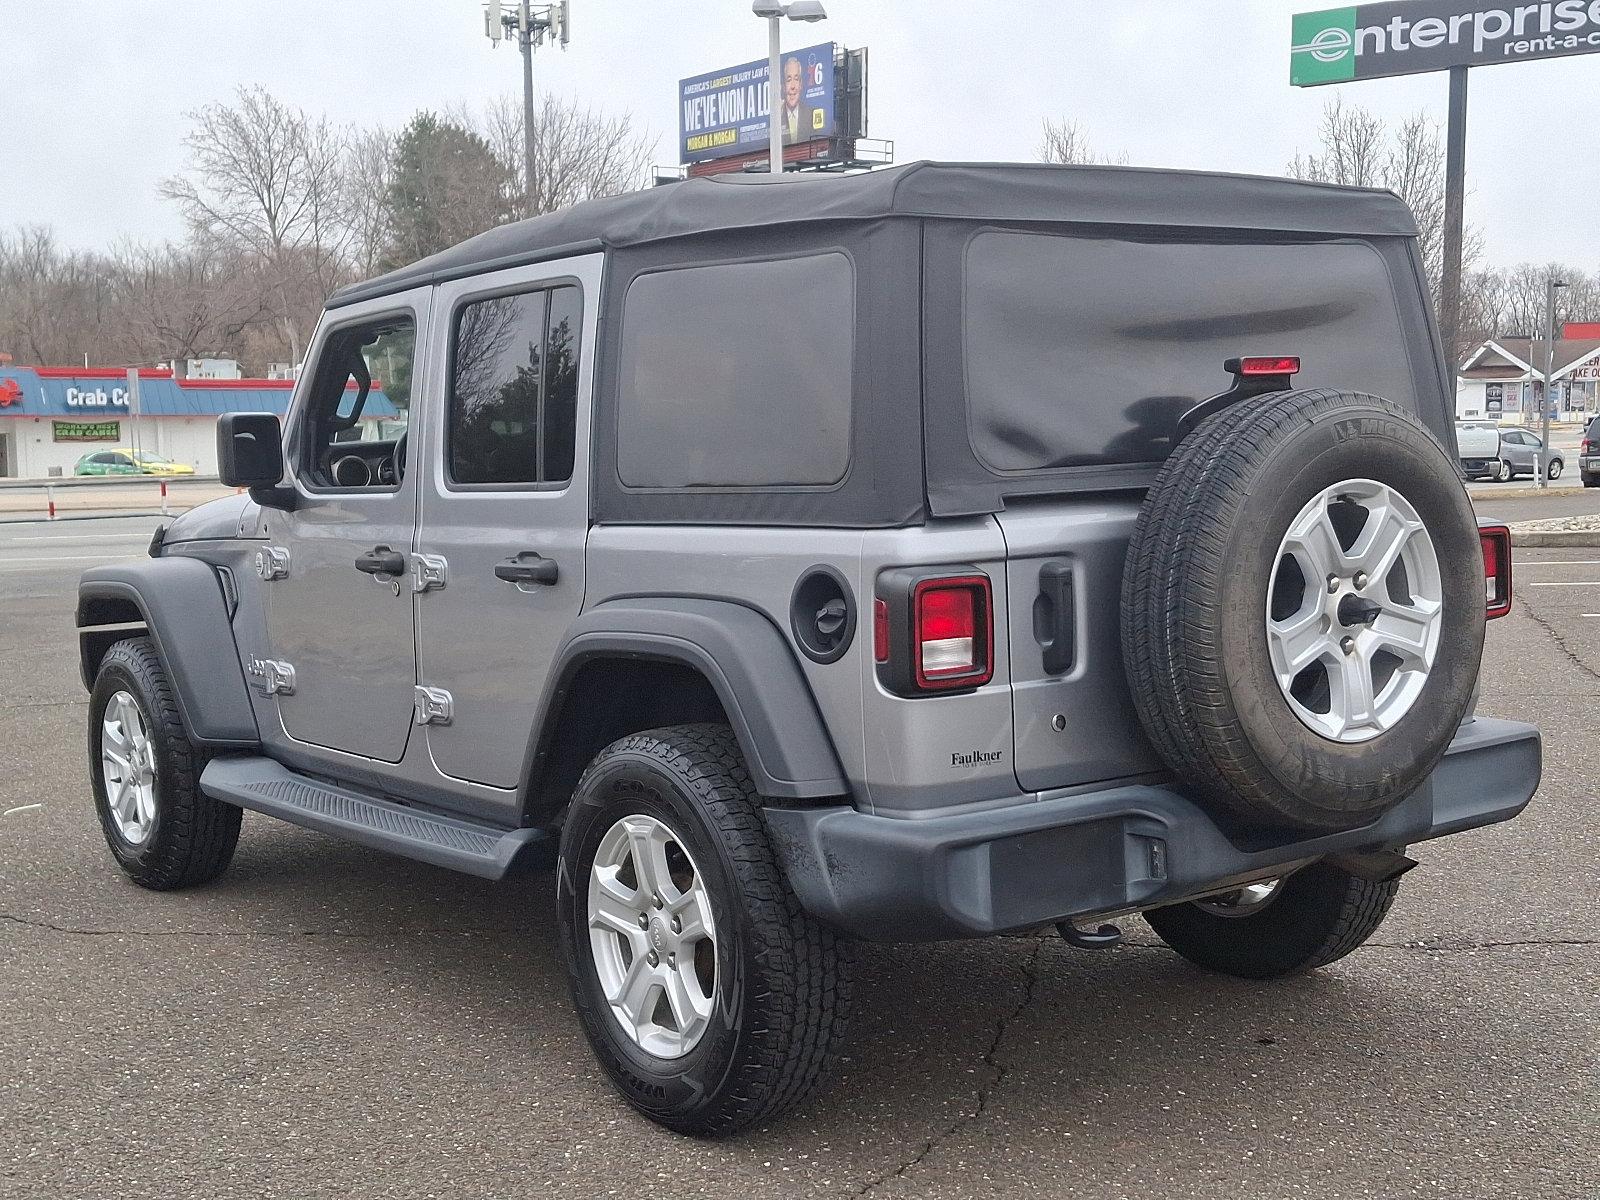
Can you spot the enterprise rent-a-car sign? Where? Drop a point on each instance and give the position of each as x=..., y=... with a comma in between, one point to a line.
x=1369, y=41
x=725, y=112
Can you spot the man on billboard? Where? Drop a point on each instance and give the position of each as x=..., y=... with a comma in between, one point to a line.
x=796, y=117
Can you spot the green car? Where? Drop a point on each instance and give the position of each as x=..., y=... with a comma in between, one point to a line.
x=129, y=462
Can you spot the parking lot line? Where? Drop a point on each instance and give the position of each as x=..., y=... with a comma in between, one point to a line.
x=1560, y=562
x=1568, y=583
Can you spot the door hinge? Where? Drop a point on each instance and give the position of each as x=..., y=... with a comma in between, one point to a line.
x=432, y=706
x=429, y=571
x=274, y=678
x=272, y=562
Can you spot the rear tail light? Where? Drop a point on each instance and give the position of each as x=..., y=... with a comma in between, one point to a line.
x=950, y=632
x=1586, y=447
x=1496, y=540
x=934, y=630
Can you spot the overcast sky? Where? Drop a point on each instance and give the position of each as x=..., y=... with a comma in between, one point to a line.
x=93, y=100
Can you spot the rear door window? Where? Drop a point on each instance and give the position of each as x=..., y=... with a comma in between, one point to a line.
x=514, y=389
x=1086, y=351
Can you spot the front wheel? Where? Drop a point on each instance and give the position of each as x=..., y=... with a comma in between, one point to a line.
x=161, y=828
x=1553, y=471
x=1284, y=927
x=1503, y=472
x=711, y=999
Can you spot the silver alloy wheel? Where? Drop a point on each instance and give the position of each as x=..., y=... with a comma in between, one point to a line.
x=128, y=768
x=1249, y=899
x=652, y=936
x=1354, y=610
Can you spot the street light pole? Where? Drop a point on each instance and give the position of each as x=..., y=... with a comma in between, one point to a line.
x=774, y=98
x=1549, y=369
x=774, y=11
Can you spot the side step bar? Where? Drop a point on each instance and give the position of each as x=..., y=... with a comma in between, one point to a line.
x=266, y=786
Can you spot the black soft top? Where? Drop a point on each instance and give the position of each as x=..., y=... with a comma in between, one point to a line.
x=1122, y=196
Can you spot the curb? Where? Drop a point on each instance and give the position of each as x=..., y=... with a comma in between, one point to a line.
x=1523, y=493
x=1555, y=538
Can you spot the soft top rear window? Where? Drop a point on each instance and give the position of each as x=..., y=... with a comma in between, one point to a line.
x=738, y=374
x=1085, y=351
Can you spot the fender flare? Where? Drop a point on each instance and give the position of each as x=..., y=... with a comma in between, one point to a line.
x=181, y=603
x=741, y=654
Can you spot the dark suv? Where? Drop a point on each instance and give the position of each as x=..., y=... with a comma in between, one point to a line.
x=1589, y=455
x=922, y=554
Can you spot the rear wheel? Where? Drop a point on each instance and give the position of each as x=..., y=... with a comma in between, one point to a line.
x=1283, y=927
x=1589, y=480
x=712, y=1000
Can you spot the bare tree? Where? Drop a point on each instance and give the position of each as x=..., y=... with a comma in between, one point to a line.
x=1358, y=149
x=368, y=172
x=52, y=300
x=267, y=178
x=1066, y=141
x=579, y=153
x=181, y=301
x=1353, y=149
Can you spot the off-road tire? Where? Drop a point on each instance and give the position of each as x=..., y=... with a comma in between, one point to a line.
x=1194, y=595
x=193, y=836
x=784, y=979
x=1318, y=915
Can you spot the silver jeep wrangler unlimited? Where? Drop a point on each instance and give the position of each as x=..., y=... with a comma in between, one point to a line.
x=922, y=554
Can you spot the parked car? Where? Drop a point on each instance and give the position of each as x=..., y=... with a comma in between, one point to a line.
x=927, y=553
x=128, y=462
x=1589, y=455
x=1478, y=447
x=1520, y=451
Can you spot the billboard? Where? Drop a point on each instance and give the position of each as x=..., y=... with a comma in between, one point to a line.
x=1403, y=37
x=725, y=113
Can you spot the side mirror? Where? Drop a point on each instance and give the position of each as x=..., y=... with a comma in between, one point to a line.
x=250, y=455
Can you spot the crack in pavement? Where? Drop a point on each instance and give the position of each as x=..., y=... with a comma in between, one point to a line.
x=985, y=1091
x=1561, y=642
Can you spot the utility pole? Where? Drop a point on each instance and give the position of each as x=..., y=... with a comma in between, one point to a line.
x=525, y=25
x=1549, y=369
x=531, y=23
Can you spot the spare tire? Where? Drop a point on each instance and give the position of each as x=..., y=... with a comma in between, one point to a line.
x=1303, y=609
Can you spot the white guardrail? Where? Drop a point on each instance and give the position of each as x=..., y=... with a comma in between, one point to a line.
x=125, y=488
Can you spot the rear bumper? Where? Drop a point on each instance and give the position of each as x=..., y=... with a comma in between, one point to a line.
x=1050, y=857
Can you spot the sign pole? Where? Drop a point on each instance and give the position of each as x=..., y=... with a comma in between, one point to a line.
x=133, y=406
x=1455, y=177
x=774, y=97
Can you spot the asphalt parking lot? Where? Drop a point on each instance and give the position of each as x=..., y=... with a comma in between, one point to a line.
x=328, y=1021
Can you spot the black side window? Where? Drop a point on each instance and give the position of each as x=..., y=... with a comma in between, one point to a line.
x=738, y=375
x=513, y=403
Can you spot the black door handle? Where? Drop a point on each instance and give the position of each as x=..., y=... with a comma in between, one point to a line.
x=381, y=560
x=527, y=567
